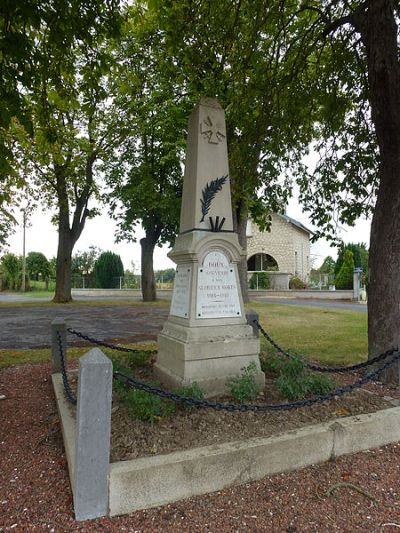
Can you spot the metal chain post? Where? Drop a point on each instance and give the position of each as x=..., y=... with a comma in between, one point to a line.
x=67, y=387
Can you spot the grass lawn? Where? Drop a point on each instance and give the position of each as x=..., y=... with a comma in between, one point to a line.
x=330, y=336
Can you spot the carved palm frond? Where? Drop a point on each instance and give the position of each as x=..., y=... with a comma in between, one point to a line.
x=209, y=192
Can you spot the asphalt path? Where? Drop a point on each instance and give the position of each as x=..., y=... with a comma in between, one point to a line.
x=30, y=327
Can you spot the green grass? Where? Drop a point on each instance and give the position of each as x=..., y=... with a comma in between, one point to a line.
x=42, y=355
x=36, y=294
x=330, y=336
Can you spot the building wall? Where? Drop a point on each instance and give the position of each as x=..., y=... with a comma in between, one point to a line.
x=286, y=243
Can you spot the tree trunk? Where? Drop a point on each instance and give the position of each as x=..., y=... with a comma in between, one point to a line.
x=64, y=262
x=242, y=266
x=148, y=281
x=378, y=31
x=240, y=225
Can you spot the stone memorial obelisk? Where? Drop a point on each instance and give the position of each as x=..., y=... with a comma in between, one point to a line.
x=206, y=338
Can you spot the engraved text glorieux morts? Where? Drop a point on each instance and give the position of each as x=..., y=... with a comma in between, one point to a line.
x=217, y=290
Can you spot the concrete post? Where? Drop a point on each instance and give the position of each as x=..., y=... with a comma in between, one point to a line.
x=58, y=327
x=92, y=441
x=252, y=315
x=356, y=283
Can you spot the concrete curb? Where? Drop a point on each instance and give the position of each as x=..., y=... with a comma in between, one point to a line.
x=152, y=481
x=67, y=424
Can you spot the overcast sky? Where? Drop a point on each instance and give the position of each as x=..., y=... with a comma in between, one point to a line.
x=41, y=236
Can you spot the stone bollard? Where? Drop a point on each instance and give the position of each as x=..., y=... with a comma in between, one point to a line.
x=58, y=327
x=92, y=440
x=252, y=315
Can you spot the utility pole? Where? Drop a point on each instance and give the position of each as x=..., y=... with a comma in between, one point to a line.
x=24, y=220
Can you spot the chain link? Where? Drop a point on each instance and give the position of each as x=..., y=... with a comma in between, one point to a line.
x=67, y=387
x=106, y=344
x=317, y=368
x=137, y=384
x=212, y=404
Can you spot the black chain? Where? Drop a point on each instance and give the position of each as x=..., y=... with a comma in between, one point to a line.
x=317, y=368
x=67, y=387
x=106, y=344
x=194, y=402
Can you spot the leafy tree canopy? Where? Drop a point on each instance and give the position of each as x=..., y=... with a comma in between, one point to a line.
x=37, y=263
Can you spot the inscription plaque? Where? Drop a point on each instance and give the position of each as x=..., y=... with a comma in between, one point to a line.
x=181, y=293
x=217, y=290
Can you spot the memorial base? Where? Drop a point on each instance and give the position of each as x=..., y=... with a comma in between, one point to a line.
x=207, y=355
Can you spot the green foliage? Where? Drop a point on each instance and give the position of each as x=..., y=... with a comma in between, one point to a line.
x=271, y=362
x=297, y=284
x=244, y=387
x=344, y=279
x=139, y=359
x=165, y=276
x=360, y=256
x=295, y=383
x=83, y=262
x=37, y=264
x=192, y=391
x=108, y=267
x=147, y=407
x=264, y=280
x=11, y=267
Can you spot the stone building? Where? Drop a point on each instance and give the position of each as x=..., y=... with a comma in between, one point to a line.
x=285, y=248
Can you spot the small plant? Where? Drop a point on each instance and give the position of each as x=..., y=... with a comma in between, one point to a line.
x=147, y=407
x=244, y=387
x=192, y=391
x=295, y=383
x=140, y=358
x=297, y=283
x=271, y=362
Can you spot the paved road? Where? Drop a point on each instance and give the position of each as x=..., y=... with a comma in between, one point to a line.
x=29, y=327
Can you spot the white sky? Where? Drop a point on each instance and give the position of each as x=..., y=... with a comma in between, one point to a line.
x=41, y=236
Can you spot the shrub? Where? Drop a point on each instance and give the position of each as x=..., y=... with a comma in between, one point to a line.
x=344, y=279
x=295, y=382
x=192, y=391
x=108, y=267
x=271, y=363
x=147, y=407
x=11, y=266
x=264, y=281
x=244, y=388
x=297, y=283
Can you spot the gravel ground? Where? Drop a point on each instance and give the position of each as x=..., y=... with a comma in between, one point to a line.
x=35, y=494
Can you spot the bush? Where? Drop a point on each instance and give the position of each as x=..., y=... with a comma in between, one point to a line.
x=297, y=283
x=271, y=363
x=295, y=382
x=147, y=407
x=344, y=279
x=11, y=267
x=192, y=391
x=107, y=267
x=244, y=388
x=264, y=281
